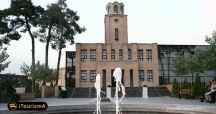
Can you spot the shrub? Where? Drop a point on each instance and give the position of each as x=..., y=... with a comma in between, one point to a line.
x=198, y=88
x=175, y=89
x=8, y=93
x=37, y=91
x=63, y=94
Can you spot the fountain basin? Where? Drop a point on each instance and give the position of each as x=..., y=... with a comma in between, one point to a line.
x=108, y=108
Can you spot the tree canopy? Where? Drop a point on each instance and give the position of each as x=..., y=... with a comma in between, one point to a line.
x=211, y=53
x=58, y=25
x=40, y=74
x=200, y=60
x=20, y=17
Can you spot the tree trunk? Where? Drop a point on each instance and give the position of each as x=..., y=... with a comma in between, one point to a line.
x=33, y=51
x=33, y=42
x=58, y=65
x=33, y=85
x=47, y=47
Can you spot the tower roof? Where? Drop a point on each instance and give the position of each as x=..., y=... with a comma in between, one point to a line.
x=115, y=8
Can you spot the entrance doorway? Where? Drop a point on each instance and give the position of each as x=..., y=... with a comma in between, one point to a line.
x=104, y=78
x=131, y=78
x=122, y=76
x=113, y=79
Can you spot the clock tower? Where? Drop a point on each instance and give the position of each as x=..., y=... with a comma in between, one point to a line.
x=116, y=31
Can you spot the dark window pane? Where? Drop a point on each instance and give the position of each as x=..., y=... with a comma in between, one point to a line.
x=92, y=75
x=149, y=56
x=141, y=75
x=116, y=34
x=129, y=54
x=104, y=54
x=83, y=55
x=113, y=54
x=93, y=55
x=140, y=54
x=150, y=75
x=120, y=54
x=83, y=74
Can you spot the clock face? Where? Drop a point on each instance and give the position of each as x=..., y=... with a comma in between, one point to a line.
x=116, y=20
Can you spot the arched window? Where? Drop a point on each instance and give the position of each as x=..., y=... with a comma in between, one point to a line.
x=116, y=8
x=116, y=34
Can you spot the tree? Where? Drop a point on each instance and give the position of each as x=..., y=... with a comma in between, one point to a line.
x=8, y=93
x=197, y=88
x=40, y=74
x=192, y=63
x=21, y=17
x=175, y=88
x=211, y=52
x=49, y=22
x=66, y=29
x=56, y=18
x=7, y=34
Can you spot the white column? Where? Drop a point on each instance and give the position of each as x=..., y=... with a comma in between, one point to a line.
x=108, y=92
x=145, y=92
x=56, y=91
x=43, y=91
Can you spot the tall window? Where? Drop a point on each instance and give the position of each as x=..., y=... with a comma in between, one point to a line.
x=123, y=76
x=112, y=78
x=69, y=62
x=116, y=34
x=150, y=75
x=141, y=75
x=93, y=55
x=129, y=54
x=92, y=75
x=113, y=54
x=120, y=54
x=131, y=77
x=83, y=75
x=140, y=55
x=83, y=54
x=104, y=54
x=149, y=56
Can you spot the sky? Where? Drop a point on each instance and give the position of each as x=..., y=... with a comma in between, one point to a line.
x=149, y=21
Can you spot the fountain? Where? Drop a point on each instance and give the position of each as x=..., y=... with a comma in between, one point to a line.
x=119, y=87
x=98, y=91
x=159, y=108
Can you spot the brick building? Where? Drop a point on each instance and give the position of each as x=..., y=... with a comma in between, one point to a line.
x=139, y=62
x=148, y=64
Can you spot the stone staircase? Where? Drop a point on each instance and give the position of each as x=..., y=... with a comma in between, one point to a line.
x=85, y=92
x=130, y=92
x=158, y=92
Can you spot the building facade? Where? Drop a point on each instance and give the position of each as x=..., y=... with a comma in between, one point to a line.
x=139, y=62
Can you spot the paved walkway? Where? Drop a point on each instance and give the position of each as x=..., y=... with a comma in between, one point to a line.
x=165, y=103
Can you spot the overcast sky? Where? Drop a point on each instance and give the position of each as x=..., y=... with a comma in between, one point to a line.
x=149, y=21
